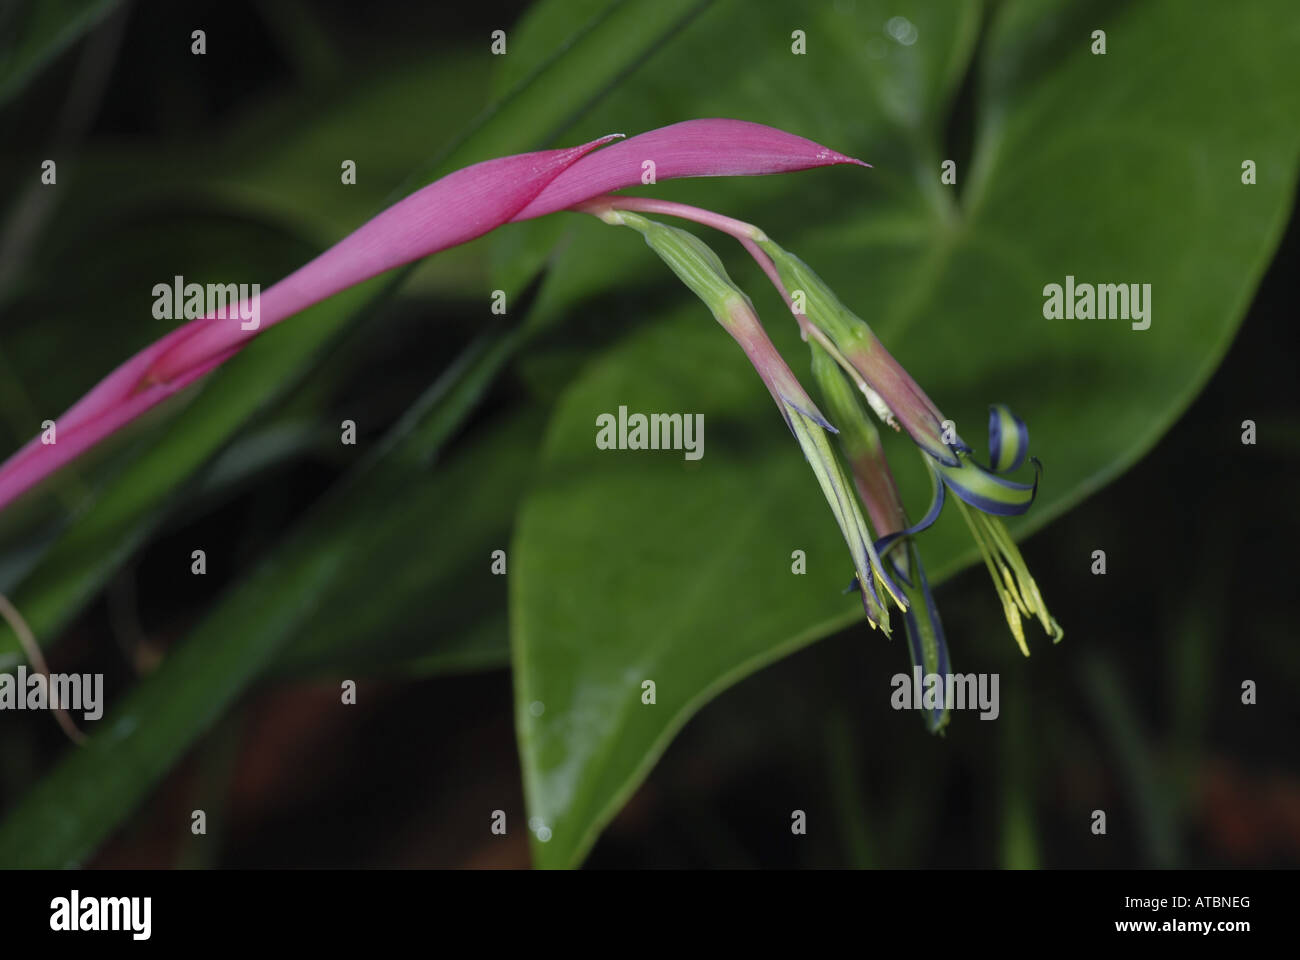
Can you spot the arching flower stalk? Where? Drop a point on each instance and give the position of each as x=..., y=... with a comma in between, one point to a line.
x=453, y=210
x=847, y=356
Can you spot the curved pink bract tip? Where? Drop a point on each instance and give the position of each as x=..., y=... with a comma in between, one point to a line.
x=692, y=148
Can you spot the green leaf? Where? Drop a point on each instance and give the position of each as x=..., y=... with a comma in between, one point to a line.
x=1123, y=168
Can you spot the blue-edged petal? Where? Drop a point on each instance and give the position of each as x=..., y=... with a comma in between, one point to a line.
x=925, y=639
x=985, y=490
x=1008, y=439
x=931, y=515
x=811, y=412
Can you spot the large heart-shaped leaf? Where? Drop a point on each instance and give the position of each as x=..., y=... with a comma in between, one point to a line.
x=1122, y=167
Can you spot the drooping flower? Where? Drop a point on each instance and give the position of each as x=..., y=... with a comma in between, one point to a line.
x=897, y=399
x=992, y=496
x=453, y=210
x=477, y=199
x=700, y=269
x=896, y=547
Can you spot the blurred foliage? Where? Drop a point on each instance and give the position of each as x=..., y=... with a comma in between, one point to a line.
x=375, y=560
